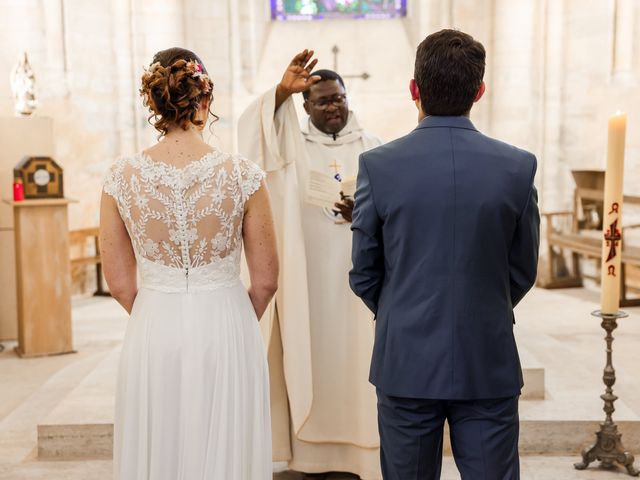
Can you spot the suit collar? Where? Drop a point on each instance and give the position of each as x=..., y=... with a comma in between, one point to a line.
x=450, y=122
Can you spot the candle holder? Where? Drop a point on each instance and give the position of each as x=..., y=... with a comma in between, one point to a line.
x=608, y=448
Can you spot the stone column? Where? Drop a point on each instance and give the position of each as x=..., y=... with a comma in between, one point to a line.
x=476, y=17
x=554, y=181
x=54, y=27
x=236, y=85
x=129, y=116
x=514, y=72
x=427, y=17
x=623, y=42
x=210, y=35
x=254, y=21
x=154, y=27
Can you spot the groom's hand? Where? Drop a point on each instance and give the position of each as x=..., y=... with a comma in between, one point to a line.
x=345, y=208
x=297, y=77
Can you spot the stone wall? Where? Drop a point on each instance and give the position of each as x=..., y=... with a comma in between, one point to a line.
x=88, y=58
x=556, y=70
x=377, y=47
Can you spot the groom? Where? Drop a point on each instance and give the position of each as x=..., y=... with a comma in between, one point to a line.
x=445, y=245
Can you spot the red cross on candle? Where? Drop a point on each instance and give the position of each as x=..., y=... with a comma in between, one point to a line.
x=613, y=237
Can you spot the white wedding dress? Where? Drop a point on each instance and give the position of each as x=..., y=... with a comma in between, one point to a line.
x=192, y=399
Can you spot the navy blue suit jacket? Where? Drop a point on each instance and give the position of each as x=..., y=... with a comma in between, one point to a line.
x=445, y=244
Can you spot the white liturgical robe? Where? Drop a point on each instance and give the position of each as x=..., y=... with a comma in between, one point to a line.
x=318, y=334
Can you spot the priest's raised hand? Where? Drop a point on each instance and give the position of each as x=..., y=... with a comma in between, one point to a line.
x=297, y=77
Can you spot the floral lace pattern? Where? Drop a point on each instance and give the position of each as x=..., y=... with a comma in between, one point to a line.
x=187, y=219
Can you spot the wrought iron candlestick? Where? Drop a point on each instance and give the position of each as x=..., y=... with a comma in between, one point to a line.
x=608, y=448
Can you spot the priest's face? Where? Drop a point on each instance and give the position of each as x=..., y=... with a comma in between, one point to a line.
x=327, y=106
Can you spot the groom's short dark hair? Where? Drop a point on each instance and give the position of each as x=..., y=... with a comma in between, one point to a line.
x=448, y=71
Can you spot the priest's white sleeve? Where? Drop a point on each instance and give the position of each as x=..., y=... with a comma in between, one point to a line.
x=273, y=140
x=269, y=138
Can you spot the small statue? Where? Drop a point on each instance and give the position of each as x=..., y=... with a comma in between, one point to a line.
x=23, y=87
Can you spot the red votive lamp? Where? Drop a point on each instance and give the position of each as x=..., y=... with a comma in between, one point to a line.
x=18, y=190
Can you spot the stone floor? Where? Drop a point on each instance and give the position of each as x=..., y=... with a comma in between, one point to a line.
x=554, y=327
x=532, y=468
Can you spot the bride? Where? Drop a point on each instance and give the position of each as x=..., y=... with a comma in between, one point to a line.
x=192, y=397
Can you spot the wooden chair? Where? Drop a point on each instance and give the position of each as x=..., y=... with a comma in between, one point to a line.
x=579, y=233
x=79, y=240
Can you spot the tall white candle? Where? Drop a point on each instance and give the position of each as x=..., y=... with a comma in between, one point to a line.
x=612, y=214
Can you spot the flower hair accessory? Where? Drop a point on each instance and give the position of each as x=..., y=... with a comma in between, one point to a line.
x=196, y=71
x=192, y=67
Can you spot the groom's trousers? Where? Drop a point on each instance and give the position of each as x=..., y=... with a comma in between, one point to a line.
x=484, y=437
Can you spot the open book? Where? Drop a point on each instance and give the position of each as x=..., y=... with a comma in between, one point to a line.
x=324, y=190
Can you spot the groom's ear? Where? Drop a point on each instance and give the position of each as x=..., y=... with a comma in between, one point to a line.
x=414, y=90
x=480, y=93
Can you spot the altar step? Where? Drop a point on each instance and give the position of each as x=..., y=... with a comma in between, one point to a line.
x=537, y=437
x=534, y=376
x=81, y=426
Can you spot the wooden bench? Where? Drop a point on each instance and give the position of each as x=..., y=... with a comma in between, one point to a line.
x=579, y=234
x=79, y=240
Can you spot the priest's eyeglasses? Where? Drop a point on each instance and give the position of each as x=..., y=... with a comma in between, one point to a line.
x=338, y=101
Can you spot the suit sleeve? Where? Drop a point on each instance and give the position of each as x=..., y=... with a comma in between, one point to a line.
x=367, y=274
x=523, y=256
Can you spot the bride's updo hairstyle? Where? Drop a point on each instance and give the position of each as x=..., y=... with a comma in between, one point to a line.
x=173, y=88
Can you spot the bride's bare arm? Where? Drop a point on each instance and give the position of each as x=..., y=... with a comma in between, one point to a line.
x=116, y=252
x=260, y=249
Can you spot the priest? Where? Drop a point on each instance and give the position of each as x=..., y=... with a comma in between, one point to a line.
x=318, y=335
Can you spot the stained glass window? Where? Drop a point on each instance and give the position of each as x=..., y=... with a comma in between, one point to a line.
x=320, y=9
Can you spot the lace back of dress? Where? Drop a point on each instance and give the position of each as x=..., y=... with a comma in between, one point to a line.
x=188, y=218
